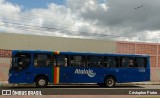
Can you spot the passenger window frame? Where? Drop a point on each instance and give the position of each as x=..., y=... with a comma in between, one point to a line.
x=97, y=64
x=61, y=63
x=47, y=61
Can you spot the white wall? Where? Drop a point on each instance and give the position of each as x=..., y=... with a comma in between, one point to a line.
x=32, y=42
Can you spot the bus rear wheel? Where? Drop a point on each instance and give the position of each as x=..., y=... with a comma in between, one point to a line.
x=110, y=82
x=41, y=81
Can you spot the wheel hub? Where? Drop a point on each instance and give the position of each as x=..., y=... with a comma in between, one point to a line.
x=110, y=82
x=41, y=82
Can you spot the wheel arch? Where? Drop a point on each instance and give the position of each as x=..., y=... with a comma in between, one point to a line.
x=110, y=75
x=41, y=75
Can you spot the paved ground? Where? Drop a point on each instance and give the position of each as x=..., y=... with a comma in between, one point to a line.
x=130, y=90
x=134, y=91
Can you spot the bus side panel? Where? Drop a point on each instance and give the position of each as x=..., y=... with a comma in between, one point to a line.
x=39, y=71
x=81, y=75
x=88, y=75
x=18, y=77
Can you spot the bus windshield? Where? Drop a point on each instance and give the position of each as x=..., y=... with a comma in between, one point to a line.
x=20, y=61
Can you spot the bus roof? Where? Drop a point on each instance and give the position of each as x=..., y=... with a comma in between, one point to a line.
x=79, y=53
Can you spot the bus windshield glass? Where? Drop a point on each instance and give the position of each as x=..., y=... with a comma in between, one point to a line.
x=21, y=61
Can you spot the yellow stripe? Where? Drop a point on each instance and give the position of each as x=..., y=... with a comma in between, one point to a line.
x=57, y=75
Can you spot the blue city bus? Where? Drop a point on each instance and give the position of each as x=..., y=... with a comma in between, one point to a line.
x=45, y=67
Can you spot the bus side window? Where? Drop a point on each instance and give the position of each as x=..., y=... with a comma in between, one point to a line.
x=128, y=62
x=42, y=60
x=124, y=62
x=111, y=61
x=105, y=62
x=94, y=61
x=77, y=60
x=61, y=60
x=141, y=62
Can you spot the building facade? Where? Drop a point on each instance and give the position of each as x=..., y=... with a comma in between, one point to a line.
x=9, y=42
x=152, y=49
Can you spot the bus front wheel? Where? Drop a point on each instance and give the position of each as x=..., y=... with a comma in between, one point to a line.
x=41, y=81
x=110, y=82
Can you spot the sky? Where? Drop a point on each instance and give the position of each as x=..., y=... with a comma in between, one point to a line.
x=121, y=20
x=30, y=4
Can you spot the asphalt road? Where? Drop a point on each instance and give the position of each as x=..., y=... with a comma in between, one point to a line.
x=85, y=90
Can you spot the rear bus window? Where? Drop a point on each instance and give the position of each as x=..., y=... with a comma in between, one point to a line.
x=141, y=62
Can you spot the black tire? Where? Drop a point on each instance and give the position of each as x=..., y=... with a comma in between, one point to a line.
x=41, y=82
x=109, y=82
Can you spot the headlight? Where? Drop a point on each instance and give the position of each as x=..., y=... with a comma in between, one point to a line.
x=10, y=75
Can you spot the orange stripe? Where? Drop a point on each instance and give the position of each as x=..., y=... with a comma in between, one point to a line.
x=55, y=74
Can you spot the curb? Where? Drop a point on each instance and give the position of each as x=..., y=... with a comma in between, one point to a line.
x=140, y=83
